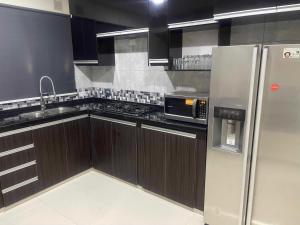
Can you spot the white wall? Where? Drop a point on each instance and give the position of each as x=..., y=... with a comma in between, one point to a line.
x=58, y=6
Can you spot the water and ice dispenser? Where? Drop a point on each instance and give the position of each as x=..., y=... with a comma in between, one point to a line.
x=228, y=129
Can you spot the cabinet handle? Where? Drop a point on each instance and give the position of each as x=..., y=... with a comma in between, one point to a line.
x=16, y=150
x=14, y=169
x=114, y=120
x=42, y=125
x=19, y=185
x=168, y=131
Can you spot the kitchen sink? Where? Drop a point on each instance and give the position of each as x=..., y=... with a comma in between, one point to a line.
x=48, y=112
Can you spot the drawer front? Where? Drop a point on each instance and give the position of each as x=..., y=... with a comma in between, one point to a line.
x=27, y=189
x=17, y=159
x=18, y=175
x=15, y=141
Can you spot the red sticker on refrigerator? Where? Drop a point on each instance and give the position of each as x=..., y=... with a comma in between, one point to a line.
x=274, y=87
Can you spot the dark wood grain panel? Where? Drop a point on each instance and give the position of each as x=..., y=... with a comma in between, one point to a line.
x=152, y=160
x=19, y=176
x=20, y=193
x=15, y=141
x=16, y=159
x=180, y=169
x=102, y=145
x=79, y=146
x=51, y=151
x=125, y=152
x=201, y=151
x=1, y=198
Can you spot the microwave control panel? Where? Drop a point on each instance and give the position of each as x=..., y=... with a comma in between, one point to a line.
x=203, y=108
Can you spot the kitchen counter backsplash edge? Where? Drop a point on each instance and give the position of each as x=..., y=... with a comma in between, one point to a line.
x=153, y=98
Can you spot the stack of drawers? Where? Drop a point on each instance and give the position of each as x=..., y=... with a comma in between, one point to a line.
x=18, y=170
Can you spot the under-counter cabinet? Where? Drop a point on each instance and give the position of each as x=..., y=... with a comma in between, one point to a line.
x=101, y=145
x=37, y=157
x=51, y=155
x=172, y=163
x=152, y=160
x=181, y=168
x=18, y=173
x=115, y=147
x=124, y=139
x=78, y=139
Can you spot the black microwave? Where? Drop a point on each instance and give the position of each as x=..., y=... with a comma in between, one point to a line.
x=187, y=107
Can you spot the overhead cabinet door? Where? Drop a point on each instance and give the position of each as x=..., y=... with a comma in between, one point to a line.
x=227, y=6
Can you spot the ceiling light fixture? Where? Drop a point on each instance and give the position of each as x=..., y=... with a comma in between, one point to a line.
x=157, y=2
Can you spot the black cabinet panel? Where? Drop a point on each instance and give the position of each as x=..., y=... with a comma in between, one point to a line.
x=152, y=161
x=106, y=51
x=51, y=151
x=77, y=38
x=188, y=10
x=224, y=6
x=201, y=151
x=158, y=31
x=287, y=2
x=84, y=39
x=124, y=140
x=102, y=146
x=90, y=44
x=79, y=146
x=181, y=169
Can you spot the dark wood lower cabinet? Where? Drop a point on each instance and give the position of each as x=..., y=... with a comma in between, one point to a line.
x=51, y=151
x=181, y=169
x=124, y=140
x=200, y=170
x=17, y=150
x=152, y=160
x=77, y=135
x=102, y=145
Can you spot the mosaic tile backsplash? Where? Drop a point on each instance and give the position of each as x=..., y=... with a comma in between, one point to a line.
x=103, y=93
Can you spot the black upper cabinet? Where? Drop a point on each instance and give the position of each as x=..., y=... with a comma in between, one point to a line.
x=158, y=32
x=84, y=39
x=225, y=6
x=287, y=2
x=189, y=10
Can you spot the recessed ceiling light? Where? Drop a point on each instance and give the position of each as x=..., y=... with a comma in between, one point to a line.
x=157, y=2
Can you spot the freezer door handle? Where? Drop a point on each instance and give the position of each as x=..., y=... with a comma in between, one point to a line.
x=256, y=133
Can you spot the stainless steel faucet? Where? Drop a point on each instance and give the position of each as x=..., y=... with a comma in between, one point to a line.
x=43, y=102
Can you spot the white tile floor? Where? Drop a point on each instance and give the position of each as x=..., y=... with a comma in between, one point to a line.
x=96, y=199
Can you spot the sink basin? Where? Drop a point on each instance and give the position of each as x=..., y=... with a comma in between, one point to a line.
x=54, y=111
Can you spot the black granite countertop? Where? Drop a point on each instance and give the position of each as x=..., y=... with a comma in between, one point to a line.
x=12, y=119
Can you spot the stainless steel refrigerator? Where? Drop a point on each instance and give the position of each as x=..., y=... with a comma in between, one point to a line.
x=253, y=159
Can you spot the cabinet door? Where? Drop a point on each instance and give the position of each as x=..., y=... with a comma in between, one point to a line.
x=180, y=169
x=79, y=151
x=225, y=6
x=158, y=32
x=90, y=40
x=101, y=145
x=125, y=152
x=152, y=160
x=78, y=38
x=200, y=170
x=287, y=2
x=189, y=10
x=51, y=151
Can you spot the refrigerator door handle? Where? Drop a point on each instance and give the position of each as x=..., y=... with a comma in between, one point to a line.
x=256, y=134
x=247, y=135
